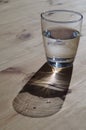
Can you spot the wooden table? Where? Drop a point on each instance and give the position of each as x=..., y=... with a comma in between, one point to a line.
x=22, y=54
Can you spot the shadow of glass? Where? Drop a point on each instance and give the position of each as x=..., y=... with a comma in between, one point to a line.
x=44, y=93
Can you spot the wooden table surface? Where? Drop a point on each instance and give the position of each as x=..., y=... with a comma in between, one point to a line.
x=22, y=54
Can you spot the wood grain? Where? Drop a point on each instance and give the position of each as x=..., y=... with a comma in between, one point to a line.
x=22, y=54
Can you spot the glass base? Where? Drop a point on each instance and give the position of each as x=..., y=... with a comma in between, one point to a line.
x=60, y=62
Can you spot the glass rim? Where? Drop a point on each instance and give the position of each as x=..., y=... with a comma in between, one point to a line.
x=59, y=21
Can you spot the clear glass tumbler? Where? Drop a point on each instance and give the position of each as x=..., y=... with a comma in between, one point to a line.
x=61, y=31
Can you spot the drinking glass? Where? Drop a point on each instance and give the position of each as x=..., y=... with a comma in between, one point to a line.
x=61, y=31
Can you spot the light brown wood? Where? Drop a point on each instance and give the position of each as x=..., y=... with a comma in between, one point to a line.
x=22, y=54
